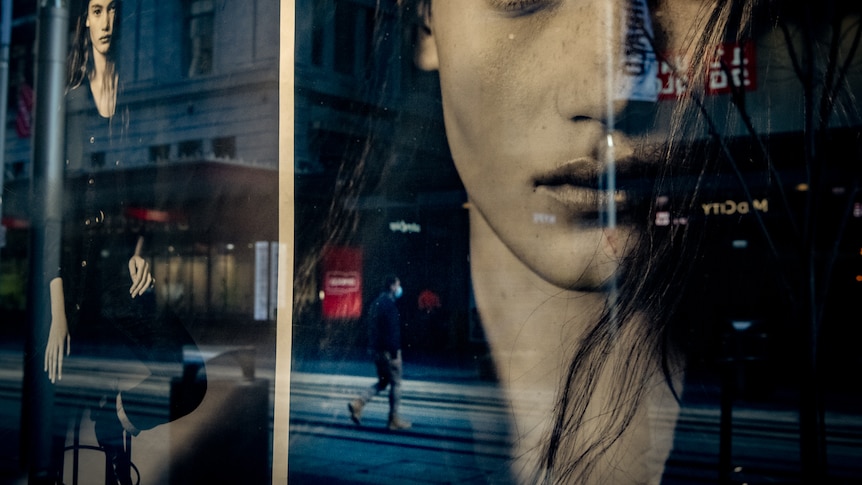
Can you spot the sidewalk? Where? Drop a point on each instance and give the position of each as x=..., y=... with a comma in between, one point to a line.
x=458, y=368
x=459, y=433
x=324, y=443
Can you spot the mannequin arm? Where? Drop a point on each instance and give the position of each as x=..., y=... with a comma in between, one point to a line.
x=59, y=340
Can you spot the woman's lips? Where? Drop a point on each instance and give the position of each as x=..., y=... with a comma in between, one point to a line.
x=582, y=172
x=579, y=184
x=574, y=184
x=587, y=202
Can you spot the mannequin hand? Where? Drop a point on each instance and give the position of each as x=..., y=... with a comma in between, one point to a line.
x=142, y=279
x=58, y=341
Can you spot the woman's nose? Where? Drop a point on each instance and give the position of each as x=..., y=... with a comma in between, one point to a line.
x=608, y=59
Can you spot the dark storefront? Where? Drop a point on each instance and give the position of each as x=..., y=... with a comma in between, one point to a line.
x=205, y=219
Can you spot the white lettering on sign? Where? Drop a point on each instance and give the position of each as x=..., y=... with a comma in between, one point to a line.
x=732, y=207
x=539, y=218
x=404, y=227
x=348, y=282
x=340, y=282
x=730, y=68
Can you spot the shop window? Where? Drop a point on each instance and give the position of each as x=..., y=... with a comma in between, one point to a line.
x=160, y=153
x=224, y=147
x=190, y=149
x=17, y=170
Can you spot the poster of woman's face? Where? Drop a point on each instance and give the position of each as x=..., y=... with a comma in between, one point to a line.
x=608, y=219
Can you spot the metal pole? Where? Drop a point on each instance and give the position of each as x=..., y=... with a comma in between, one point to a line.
x=5, y=40
x=46, y=196
x=725, y=426
x=812, y=449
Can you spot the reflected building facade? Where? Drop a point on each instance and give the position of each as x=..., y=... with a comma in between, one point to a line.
x=198, y=165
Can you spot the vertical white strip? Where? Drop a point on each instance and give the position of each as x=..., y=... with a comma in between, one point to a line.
x=614, y=53
x=281, y=410
x=612, y=66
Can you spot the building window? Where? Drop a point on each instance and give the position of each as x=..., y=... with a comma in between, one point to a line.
x=224, y=147
x=342, y=36
x=354, y=32
x=199, y=37
x=160, y=153
x=345, y=36
x=19, y=170
x=190, y=149
x=97, y=160
x=320, y=18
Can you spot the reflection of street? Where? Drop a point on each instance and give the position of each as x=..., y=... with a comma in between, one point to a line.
x=459, y=436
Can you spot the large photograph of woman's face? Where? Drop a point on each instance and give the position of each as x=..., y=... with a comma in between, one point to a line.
x=624, y=234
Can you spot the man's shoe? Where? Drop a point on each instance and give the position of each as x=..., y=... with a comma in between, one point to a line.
x=396, y=423
x=355, y=408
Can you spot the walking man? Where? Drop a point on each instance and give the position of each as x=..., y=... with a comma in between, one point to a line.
x=384, y=329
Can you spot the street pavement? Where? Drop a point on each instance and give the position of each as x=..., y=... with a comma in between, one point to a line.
x=458, y=435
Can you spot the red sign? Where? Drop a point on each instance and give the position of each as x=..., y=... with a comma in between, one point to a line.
x=732, y=67
x=153, y=215
x=342, y=283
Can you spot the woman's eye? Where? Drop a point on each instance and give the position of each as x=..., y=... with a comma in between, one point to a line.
x=521, y=7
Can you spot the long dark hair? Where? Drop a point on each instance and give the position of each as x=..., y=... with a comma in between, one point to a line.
x=656, y=279
x=640, y=322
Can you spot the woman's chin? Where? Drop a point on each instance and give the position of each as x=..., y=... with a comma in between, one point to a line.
x=595, y=277
x=587, y=263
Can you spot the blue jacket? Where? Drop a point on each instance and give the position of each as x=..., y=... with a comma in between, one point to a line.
x=384, y=325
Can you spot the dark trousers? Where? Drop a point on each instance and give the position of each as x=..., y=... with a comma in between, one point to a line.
x=389, y=371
